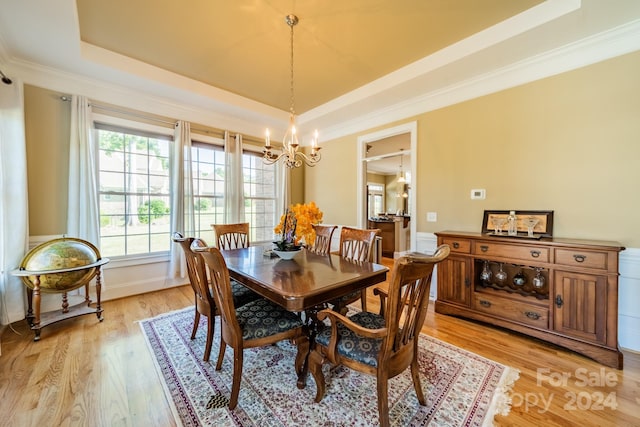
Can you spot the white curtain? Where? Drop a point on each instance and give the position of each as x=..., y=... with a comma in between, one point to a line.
x=14, y=213
x=182, y=202
x=233, y=181
x=83, y=216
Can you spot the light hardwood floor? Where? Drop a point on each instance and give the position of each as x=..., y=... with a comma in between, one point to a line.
x=86, y=373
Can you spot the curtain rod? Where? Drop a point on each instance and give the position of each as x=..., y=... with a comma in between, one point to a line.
x=94, y=104
x=132, y=114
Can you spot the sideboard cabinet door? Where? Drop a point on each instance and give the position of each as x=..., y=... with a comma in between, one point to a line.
x=454, y=280
x=580, y=303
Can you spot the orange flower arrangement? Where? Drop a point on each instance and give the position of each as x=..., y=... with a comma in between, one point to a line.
x=297, y=224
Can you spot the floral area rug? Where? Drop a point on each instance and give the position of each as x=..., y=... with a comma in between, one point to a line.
x=462, y=388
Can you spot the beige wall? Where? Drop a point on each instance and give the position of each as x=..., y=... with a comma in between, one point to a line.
x=47, y=135
x=332, y=182
x=297, y=185
x=569, y=143
x=376, y=178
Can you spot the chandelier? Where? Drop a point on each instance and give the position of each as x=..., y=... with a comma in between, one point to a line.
x=293, y=158
x=401, y=178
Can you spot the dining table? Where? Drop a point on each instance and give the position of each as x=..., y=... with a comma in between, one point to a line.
x=304, y=284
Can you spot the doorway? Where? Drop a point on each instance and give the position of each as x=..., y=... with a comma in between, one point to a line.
x=385, y=158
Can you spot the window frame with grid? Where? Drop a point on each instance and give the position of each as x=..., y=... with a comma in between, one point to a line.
x=204, y=220
x=261, y=208
x=262, y=218
x=133, y=171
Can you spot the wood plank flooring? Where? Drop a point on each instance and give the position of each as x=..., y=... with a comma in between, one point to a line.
x=86, y=373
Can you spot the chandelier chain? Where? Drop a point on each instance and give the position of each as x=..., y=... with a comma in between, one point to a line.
x=292, y=109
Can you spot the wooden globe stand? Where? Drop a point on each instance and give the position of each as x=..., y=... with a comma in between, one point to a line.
x=38, y=320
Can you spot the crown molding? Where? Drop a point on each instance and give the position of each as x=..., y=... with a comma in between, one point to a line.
x=590, y=50
x=192, y=107
x=537, y=16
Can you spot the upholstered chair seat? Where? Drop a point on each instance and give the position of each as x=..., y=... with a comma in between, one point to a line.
x=354, y=346
x=241, y=294
x=263, y=318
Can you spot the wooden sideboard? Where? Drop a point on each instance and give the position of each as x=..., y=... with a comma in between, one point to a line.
x=565, y=291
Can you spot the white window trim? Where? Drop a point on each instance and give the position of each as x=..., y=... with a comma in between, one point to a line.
x=134, y=259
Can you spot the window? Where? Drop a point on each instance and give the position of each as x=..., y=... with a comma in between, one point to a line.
x=259, y=183
x=133, y=191
x=375, y=200
x=208, y=169
x=260, y=196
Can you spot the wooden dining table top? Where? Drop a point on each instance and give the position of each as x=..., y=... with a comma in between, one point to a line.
x=304, y=282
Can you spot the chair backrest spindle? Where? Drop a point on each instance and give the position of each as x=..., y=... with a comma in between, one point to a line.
x=356, y=244
x=232, y=236
x=322, y=243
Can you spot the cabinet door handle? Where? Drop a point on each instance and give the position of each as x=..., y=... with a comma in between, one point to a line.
x=484, y=248
x=467, y=282
x=579, y=258
x=532, y=315
x=485, y=303
x=535, y=254
x=456, y=245
x=559, y=301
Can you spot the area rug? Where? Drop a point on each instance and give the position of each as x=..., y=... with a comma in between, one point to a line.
x=462, y=388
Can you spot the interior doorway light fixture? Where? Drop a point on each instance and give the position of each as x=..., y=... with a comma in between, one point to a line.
x=293, y=157
x=401, y=178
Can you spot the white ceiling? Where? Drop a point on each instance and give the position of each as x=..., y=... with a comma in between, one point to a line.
x=359, y=64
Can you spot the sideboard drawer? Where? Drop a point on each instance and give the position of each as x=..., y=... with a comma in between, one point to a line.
x=585, y=259
x=525, y=253
x=462, y=246
x=513, y=310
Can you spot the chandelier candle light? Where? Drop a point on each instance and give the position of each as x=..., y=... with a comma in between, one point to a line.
x=290, y=146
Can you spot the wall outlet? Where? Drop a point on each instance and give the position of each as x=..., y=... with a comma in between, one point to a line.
x=479, y=194
x=432, y=216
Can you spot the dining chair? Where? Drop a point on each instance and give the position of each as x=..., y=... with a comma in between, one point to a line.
x=256, y=324
x=382, y=344
x=204, y=303
x=356, y=245
x=322, y=242
x=232, y=236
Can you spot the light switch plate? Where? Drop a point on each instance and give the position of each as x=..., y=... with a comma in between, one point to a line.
x=432, y=216
x=478, y=194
